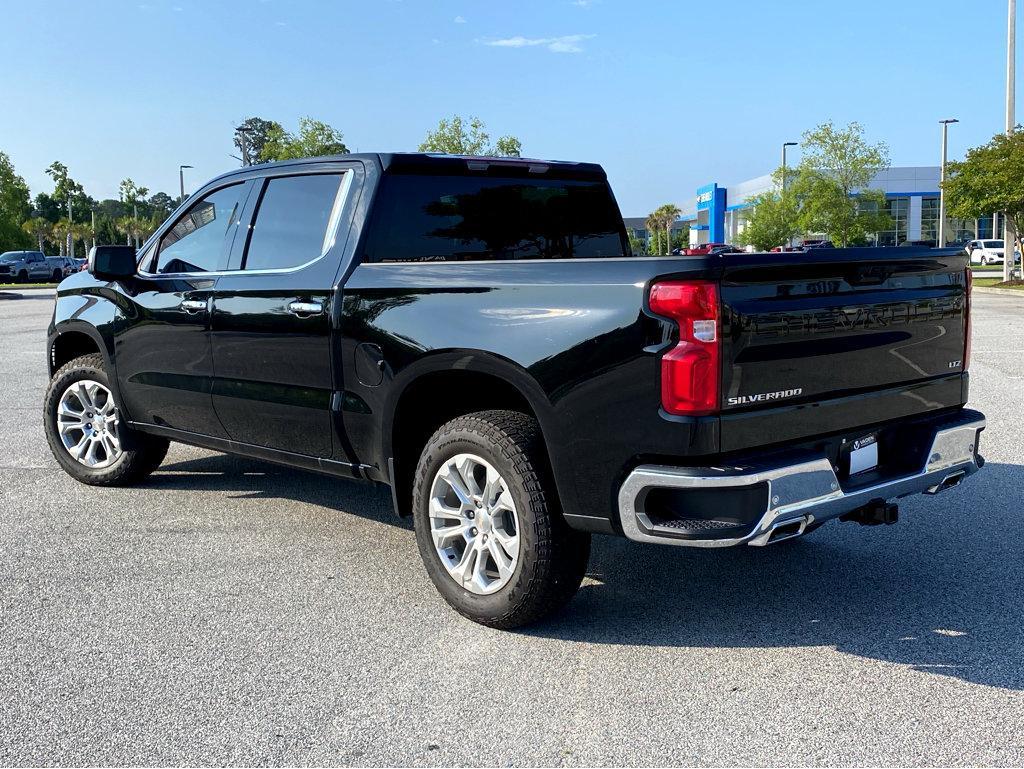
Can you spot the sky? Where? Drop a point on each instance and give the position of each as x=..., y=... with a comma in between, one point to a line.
x=667, y=96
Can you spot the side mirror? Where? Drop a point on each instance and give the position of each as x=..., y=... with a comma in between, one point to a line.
x=113, y=262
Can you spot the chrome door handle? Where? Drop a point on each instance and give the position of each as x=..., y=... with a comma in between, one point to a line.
x=306, y=308
x=193, y=305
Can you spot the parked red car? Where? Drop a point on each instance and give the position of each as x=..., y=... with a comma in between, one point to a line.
x=704, y=249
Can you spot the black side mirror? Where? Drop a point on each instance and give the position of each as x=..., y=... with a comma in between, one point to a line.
x=113, y=262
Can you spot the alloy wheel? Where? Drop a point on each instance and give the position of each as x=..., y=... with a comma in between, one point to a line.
x=87, y=421
x=474, y=524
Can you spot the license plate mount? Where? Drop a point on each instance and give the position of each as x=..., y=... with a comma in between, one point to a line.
x=863, y=454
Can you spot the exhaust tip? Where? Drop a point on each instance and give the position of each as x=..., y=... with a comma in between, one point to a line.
x=949, y=482
x=787, y=531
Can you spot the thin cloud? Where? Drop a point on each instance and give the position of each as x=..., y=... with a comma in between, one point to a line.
x=583, y=3
x=563, y=44
x=460, y=19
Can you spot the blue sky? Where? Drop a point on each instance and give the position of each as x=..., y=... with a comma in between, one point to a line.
x=667, y=96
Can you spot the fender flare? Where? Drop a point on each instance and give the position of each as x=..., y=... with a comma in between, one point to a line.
x=64, y=327
x=473, y=360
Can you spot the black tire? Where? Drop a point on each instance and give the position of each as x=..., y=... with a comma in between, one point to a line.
x=23, y=277
x=141, y=454
x=552, y=558
x=57, y=276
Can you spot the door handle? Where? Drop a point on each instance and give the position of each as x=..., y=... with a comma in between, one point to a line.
x=306, y=308
x=193, y=305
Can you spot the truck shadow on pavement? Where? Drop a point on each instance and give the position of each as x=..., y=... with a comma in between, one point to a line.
x=241, y=477
x=942, y=591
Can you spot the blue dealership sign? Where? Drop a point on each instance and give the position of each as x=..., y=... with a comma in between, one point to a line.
x=711, y=198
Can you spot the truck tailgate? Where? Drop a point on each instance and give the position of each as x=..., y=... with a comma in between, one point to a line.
x=806, y=328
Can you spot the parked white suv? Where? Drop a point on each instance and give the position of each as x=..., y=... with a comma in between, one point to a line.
x=986, y=251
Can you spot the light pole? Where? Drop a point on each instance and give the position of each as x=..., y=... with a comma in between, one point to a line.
x=784, y=145
x=942, y=183
x=71, y=240
x=1009, y=236
x=243, y=132
x=181, y=181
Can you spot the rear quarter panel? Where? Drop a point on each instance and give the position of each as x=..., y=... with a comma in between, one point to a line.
x=573, y=336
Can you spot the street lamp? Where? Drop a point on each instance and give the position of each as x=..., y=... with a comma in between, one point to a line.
x=1009, y=236
x=942, y=183
x=181, y=181
x=243, y=132
x=784, y=145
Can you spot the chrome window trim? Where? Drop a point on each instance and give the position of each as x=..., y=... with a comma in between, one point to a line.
x=395, y=263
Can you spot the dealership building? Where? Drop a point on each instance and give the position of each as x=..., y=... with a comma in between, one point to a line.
x=717, y=213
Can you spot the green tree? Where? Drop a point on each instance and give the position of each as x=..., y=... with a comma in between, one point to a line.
x=653, y=225
x=110, y=208
x=61, y=235
x=668, y=214
x=132, y=195
x=989, y=180
x=161, y=203
x=252, y=136
x=107, y=233
x=680, y=238
x=65, y=187
x=84, y=232
x=460, y=136
x=14, y=207
x=315, y=138
x=772, y=220
x=636, y=245
x=39, y=229
x=829, y=184
x=46, y=206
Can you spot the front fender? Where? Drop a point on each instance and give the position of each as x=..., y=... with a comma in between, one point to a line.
x=89, y=313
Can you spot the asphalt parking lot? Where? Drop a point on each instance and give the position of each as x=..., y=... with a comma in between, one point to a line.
x=233, y=612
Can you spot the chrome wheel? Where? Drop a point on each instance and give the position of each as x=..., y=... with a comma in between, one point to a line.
x=474, y=524
x=87, y=422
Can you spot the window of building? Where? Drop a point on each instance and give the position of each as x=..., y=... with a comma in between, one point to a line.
x=295, y=221
x=447, y=218
x=196, y=242
x=898, y=210
x=930, y=219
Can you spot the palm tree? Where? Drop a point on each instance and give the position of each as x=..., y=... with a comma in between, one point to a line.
x=83, y=231
x=38, y=228
x=669, y=213
x=131, y=194
x=60, y=235
x=125, y=225
x=653, y=224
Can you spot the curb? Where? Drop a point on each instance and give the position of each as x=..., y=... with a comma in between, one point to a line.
x=1003, y=291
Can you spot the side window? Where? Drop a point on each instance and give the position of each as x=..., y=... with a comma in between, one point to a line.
x=196, y=242
x=295, y=222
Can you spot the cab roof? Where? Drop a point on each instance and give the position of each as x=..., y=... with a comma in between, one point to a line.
x=448, y=165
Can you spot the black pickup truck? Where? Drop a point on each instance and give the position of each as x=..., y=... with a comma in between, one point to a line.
x=476, y=333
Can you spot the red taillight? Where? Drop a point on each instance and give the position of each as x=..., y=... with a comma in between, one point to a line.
x=967, y=320
x=690, y=370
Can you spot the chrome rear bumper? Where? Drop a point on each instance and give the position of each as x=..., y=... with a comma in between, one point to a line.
x=798, y=494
